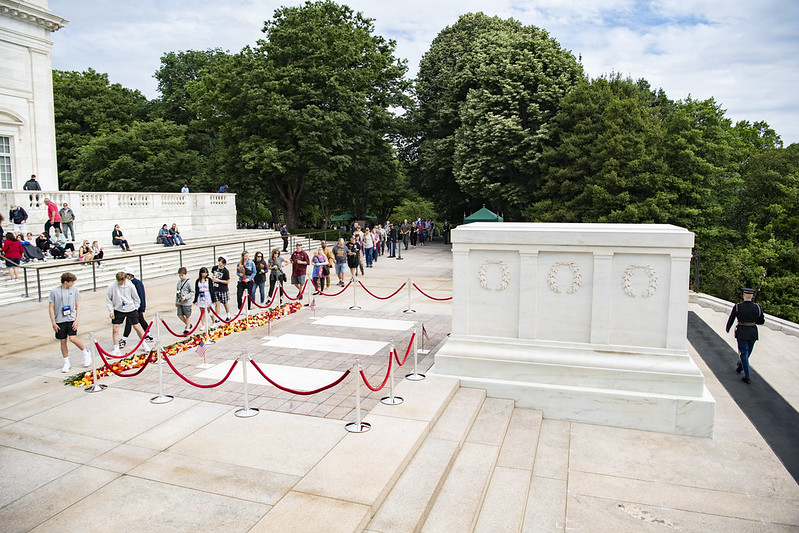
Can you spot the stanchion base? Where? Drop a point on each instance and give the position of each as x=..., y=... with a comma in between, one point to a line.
x=423, y=352
x=209, y=341
x=205, y=366
x=246, y=413
x=97, y=387
x=161, y=399
x=354, y=427
x=314, y=317
x=355, y=307
x=268, y=338
x=415, y=377
x=392, y=400
x=409, y=311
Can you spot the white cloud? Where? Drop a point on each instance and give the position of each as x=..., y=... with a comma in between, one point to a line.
x=743, y=53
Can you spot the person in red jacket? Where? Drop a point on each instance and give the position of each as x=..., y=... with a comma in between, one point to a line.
x=13, y=252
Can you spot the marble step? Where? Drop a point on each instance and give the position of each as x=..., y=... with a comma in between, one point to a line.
x=345, y=488
x=506, y=499
x=457, y=505
x=409, y=501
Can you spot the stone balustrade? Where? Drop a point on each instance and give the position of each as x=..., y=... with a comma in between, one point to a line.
x=139, y=214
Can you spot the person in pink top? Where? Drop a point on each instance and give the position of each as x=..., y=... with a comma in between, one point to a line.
x=53, y=216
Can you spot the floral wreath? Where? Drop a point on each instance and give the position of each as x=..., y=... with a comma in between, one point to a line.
x=577, y=277
x=504, y=270
x=628, y=274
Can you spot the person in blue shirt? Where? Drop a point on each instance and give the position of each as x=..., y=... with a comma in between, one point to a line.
x=245, y=272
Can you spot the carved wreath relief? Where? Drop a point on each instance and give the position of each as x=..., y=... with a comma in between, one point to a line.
x=504, y=271
x=626, y=281
x=577, y=277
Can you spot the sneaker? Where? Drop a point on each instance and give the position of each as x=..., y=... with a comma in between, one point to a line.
x=115, y=351
x=122, y=342
x=202, y=328
x=145, y=347
x=227, y=318
x=66, y=366
x=148, y=338
x=185, y=332
x=216, y=320
x=87, y=358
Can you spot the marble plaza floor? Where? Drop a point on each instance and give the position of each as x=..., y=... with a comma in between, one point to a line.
x=111, y=460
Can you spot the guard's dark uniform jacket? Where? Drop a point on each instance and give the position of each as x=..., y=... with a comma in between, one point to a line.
x=749, y=314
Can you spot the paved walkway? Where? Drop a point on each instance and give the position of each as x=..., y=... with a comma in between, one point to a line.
x=114, y=460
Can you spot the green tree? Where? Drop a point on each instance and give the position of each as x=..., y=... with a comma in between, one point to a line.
x=177, y=70
x=85, y=103
x=145, y=156
x=605, y=162
x=486, y=90
x=303, y=103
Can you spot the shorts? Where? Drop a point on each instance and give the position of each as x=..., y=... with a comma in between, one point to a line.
x=12, y=263
x=184, y=310
x=221, y=297
x=352, y=261
x=341, y=268
x=120, y=317
x=298, y=280
x=64, y=329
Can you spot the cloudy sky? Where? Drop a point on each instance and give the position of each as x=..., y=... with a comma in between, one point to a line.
x=743, y=53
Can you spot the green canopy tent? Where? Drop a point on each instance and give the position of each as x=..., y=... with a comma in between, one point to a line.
x=344, y=217
x=483, y=215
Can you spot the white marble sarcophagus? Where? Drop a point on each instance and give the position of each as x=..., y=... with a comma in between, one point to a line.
x=586, y=322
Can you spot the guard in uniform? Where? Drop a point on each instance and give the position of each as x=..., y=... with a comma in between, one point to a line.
x=749, y=315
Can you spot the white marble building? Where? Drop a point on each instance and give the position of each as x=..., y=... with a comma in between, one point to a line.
x=27, y=127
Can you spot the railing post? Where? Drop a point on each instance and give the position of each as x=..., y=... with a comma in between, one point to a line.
x=38, y=284
x=94, y=277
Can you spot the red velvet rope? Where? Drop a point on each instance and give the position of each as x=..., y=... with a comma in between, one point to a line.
x=190, y=382
x=103, y=352
x=267, y=306
x=120, y=374
x=293, y=391
x=407, y=351
x=347, y=286
x=190, y=333
x=299, y=296
x=431, y=297
x=222, y=319
x=381, y=297
x=385, y=379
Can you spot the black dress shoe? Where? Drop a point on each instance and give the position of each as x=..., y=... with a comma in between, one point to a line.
x=746, y=379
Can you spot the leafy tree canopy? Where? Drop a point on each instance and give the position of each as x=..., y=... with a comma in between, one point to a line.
x=305, y=102
x=85, y=103
x=487, y=89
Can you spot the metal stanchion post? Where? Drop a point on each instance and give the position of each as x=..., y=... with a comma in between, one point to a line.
x=246, y=311
x=421, y=333
x=358, y=426
x=161, y=398
x=415, y=375
x=95, y=387
x=246, y=412
x=391, y=399
x=354, y=305
x=409, y=310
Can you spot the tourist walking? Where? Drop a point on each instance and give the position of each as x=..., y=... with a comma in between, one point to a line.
x=220, y=291
x=299, y=268
x=13, y=252
x=53, y=216
x=184, y=297
x=276, y=274
x=259, y=281
x=202, y=293
x=19, y=217
x=122, y=302
x=140, y=311
x=63, y=305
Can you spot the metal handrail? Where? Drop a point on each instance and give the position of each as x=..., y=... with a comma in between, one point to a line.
x=171, y=250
